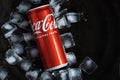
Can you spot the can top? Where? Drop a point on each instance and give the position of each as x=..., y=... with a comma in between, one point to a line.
x=38, y=8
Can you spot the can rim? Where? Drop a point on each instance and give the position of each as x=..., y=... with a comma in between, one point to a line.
x=57, y=67
x=38, y=7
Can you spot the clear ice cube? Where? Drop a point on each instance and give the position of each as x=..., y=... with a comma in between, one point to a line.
x=16, y=37
x=23, y=7
x=71, y=58
x=54, y=3
x=35, y=1
x=15, y=17
x=12, y=58
x=8, y=29
x=29, y=39
x=63, y=75
x=34, y=52
x=24, y=25
x=73, y=17
x=46, y=76
x=60, y=14
x=67, y=40
x=88, y=65
x=18, y=48
x=32, y=74
x=25, y=64
x=62, y=22
x=75, y=74
x=3, y=74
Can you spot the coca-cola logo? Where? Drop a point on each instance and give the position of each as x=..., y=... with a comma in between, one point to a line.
x=48, y=23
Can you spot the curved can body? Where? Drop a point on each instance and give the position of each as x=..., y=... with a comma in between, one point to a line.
x=47, y=37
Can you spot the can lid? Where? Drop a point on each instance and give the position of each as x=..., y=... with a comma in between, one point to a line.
x=38, y=7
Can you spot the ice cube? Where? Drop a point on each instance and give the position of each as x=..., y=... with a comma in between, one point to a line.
x=15, y=17
x=26, y=64
x=60, y=14
x=71, y=58
x=24, y=25
x=29, y=39
x=35, y=1
x=8, y=29
x=67, y=40
x=9, y=52
x=16, y=37
x=23, y=7
x=56, y=8
x=63, y=75
x=88, y=65
x=46, y=76
x=73, y=17
x=34, y=52
x=75, y=74
x=18, y=48
x=3, y=74
x=63, y=23
x=32, y=75
x=54, y=3
x=12, y=58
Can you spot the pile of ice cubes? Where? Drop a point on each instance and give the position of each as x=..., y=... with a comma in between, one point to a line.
x=23, y=50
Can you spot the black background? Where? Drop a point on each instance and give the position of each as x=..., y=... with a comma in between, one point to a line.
x=99, y=39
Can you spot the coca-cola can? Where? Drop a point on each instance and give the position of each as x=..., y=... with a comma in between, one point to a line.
x=47, y=37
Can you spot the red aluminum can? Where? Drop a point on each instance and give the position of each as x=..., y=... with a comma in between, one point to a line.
x=47, y=37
